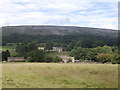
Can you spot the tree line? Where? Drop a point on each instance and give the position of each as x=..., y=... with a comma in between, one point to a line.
x=99, y=54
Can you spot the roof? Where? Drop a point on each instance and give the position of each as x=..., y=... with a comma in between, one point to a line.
x=15, y=57
x=60, y=48
x=65, y=57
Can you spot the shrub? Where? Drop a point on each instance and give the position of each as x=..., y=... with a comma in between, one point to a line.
x=103, y=57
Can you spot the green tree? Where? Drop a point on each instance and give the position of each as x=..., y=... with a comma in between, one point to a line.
x=48, y=46
x=104, y=49
x=103, y=58
x=37, y=56
x=79, y=53
x=85, y=42
x=5, y=55
x=57, y=59
x=49, y=59
x=25, y=48
x=91, y=54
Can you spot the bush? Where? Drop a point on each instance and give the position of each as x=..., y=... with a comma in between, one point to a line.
x=103, y=58
x=36, y=56
x=57, y=59
x=52, y=59
x=48, y=59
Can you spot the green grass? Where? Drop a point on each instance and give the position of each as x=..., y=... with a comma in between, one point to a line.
x=0, y=75
x=13, y=53
x=11, y=49
x=51, y=75
x=54, y=54
x=6, y=47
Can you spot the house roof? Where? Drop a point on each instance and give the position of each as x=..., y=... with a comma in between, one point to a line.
x=15, y=57
x=65, y=57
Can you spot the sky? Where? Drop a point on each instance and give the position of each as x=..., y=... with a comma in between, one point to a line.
x=82, y=13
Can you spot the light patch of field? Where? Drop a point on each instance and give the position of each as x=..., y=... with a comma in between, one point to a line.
x=6, y=47
x=56, y=75
x=54, y=54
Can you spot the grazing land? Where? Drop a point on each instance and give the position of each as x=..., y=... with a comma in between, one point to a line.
x=0, y=75
x=59, y=75
x=6, y=47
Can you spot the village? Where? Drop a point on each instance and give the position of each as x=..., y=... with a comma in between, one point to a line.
x=58, y=50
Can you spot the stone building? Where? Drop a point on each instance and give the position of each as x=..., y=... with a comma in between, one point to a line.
x=16, y=59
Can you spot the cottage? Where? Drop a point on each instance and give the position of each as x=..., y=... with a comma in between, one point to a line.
x=59, y=49
x=75, y=61
x=41, y=48
x=67, y=59
x=16, y=59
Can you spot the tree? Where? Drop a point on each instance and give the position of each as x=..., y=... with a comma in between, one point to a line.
x=57, y=59
x=37, y=56
x=91, y=54
x=79, y=53
x=85, y=42
x=104, y=49
x=5, y=55
x=48, y=46
x=98, y=43
x=25, y=48
x=115, y=58
x=48, y=59
x=103, y=58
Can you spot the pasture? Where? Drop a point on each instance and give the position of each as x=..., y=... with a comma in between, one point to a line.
x=6, y=47
x=59, y=75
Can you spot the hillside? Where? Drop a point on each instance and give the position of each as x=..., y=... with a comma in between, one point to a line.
x=55, y=30
x=67, y=35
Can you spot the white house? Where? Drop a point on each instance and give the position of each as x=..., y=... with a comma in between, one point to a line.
x=67, y=58
x=59, y=49
x=41, y=48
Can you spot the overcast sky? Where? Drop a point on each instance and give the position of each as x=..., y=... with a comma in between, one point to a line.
x=85, y=13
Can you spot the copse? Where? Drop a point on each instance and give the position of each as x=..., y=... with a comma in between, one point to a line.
x=48, y=46
x=5, y=55
x=36, y=56
x=99, y=54
x=103, y=58
x=52, y=59
x=25, y=48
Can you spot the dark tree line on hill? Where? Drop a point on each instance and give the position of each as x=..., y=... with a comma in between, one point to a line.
x=68, y=41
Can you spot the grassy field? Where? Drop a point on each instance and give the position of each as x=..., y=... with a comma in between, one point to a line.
x=0, y=75
x=6, y=47
x=50, y=75
x=54, y=54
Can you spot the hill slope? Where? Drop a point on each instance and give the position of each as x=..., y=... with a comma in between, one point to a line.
x=60, y=34
x=57, y=30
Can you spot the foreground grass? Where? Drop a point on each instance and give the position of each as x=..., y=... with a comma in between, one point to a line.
x=0, y=75
x=43, y=75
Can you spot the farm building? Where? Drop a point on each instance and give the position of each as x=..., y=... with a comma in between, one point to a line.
x=68, y=59
x=16, y=59
x=59, y=49
x=41, y=48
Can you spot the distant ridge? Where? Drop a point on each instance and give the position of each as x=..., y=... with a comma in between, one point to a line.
x=55, y=30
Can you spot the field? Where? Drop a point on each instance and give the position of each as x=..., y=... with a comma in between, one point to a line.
x=54, y=54
x=51, y=75
x=6, y=47
x=0, y=76
x=10, y=48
